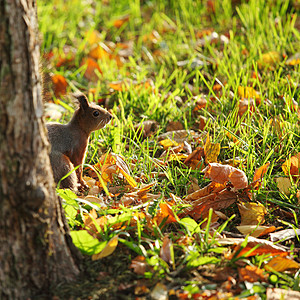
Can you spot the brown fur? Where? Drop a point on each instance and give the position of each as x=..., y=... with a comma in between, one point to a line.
x=69, y=142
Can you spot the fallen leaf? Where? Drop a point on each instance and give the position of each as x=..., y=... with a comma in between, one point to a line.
x=166, y=251
x=211, y=151
x=293, y=60
x=174, y=125
x=160, y=292
x=224, y=173
x=165, y=212
x=245, y=105
x=269, y=59
x=139, y=265
x=252, y=213
x=284, y=185
x=108, y=249
x=291, y=166
x=257, y=247
x=121, y=21
x=284, y=235
x=60, y=85
x=281, y=264
x=100, y=51
x=259, y=174
x=92, y=66
x=167, y=143
x=94, y=37
x=280, y=294
x=255, y=230
x=248, y=92
x=252, y=274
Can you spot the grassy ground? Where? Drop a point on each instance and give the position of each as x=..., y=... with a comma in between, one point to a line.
x=225, y=73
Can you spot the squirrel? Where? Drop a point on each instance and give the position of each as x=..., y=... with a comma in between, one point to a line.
x=69, y=142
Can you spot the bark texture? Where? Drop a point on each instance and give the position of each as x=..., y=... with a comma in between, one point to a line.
x=35, y=248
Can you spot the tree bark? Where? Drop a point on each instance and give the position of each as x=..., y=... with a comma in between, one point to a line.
x=35, y=248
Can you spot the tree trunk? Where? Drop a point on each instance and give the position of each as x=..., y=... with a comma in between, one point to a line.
x=35, y=248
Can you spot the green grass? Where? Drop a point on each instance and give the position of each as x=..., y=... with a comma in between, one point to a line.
x=251, y=28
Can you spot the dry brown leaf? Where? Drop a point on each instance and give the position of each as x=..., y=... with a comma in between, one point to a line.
x=217, y=201
x=160, y=292
x=197, y=154
x=146, y=128
x=224, y=173
x=245, y=105
x=139, y=265
x=212, y=187
x=165, y=250
x=174, y=125
x=281, y=264
x=252, y=274
x=252, y=213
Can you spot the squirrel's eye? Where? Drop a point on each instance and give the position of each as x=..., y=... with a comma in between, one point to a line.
x=96, y=113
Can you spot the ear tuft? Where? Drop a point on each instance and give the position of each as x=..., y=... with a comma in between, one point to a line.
x=81, y=99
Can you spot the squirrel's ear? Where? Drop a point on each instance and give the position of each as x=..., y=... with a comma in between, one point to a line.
x=82, y=100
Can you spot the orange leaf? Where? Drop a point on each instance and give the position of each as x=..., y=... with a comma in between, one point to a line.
x=259, y=174
x=281, y=264
x=165, y=212
x=224, y=173
x=118, y=23
x=213, y=187
x=261, y=247
x=252, y=274
x=94, y=37
x=100, y=52
x=92, y=66
x=291, y=166
x=60, y=84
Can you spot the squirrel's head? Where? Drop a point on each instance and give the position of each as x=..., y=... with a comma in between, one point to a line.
x=89, y=116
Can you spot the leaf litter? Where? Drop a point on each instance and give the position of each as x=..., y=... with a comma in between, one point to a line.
x=188, y=212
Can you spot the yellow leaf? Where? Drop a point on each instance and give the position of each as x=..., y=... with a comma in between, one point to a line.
x=291, y=166
x=94, y=37
x=284, y=185
x=100, y=52
x=269, y=59
x=281, y=264
x=167, y=143
x=248, y=92
x=252, y=213
x=108, y=249
x=211, y=151
x=177, y=157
